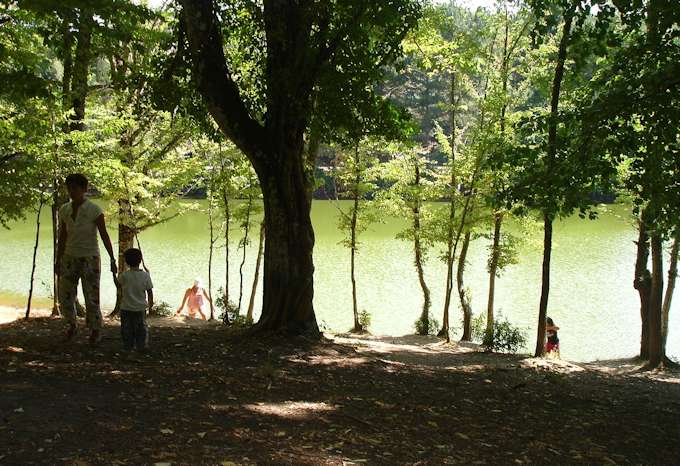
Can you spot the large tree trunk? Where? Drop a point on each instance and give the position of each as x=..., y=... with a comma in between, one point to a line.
x=35, y=253
x=493, y=270
x=656, y=349
x=275, y=148
x=551, y=154
x=462, y=294
x=545, y=284
x=288, y=263
x=256, y=277
x=670, y=287
x=642, y=282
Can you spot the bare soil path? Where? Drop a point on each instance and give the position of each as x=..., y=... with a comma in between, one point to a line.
x=209, y=395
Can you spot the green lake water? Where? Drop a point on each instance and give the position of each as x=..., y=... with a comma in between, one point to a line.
x=592, y=298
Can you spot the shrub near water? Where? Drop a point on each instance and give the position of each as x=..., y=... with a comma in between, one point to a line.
x=365, y=320
x=228, y=311
x=505, y=337
x=429, y=327
x=162, y=309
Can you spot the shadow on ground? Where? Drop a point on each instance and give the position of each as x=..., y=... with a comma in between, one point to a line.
x=208, y=395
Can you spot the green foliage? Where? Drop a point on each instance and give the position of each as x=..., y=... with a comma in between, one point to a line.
x=629, y=113
x=429, y=327
x=228, y=311
x=504, y=337
x=365, y=319
x=162, y=309
x=240, y=321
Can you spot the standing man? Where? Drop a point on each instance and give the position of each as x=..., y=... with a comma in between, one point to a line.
x=78, y=256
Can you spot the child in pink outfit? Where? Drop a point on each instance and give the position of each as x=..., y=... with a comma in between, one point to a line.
x=195, y=298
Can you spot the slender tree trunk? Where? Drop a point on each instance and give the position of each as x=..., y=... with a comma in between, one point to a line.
x=670, y=287
x=462, y=294
x=493, y=270
x=656, y=349
x=551, y=154
x=55, y=235
x=353, y=241
x=57, y=197
x=83, y=56
x=498, y=215
x=444, y=332
x=210, y=254
x=642, y=282
x=126, y=233
x=227, y=221
x=256, y=277
x=418, y=250
x=67, y=61
x=35, y=253
x=246, y=232
x=545, y=284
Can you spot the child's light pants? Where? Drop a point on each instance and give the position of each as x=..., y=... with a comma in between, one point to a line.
x=88, y=270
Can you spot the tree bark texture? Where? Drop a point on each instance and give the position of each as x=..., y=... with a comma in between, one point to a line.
x=288, y=265
x=643, y=282
x=462, y=294
x=256, y=277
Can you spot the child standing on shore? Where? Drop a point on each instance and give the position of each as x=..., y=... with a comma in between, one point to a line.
x=136, y=296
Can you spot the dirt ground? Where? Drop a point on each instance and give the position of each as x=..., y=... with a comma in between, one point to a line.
x=209, y=395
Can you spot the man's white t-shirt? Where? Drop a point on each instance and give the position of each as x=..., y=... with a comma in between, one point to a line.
x=81, y=240
x=134, y=283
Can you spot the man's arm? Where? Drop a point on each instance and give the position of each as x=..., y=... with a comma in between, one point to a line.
x=101, y=226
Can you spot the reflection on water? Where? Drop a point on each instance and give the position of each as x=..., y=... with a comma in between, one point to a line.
x=592, y=298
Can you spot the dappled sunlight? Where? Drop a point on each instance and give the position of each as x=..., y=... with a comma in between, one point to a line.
x=297, y=410
x=555, y=365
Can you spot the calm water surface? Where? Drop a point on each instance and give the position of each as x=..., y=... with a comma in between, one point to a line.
x=592, y=298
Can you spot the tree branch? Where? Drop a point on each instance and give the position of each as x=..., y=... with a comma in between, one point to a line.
x=211, y=73
x=7, y=157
